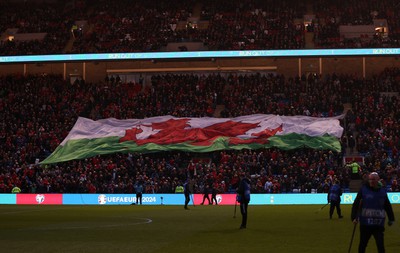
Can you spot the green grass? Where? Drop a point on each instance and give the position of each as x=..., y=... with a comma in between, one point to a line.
x=172, y=229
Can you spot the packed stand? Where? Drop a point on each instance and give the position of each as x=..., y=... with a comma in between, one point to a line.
x=305, y=95
x=374, y=123
x=148, y=26
x=141, y=26
x=233, y=25
x=250, y=25
x=331, y=15
x=40, y=110
x=53, y=19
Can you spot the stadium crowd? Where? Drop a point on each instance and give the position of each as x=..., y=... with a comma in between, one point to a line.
x=54, y=20
x=331, y=15
x=227, y=25
x=39, y=110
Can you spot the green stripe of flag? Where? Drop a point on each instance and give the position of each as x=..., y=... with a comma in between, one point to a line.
x=84, y=148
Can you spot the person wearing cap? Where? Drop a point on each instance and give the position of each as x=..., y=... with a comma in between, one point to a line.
x=369, y=210
x=243, y=197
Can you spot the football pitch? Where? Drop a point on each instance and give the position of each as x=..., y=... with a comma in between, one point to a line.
x=171, y=229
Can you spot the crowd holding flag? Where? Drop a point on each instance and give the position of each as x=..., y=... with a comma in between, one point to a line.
x=166, y=133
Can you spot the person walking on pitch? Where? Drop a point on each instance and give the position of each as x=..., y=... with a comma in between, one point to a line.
x=334, y=198
x=214, y=194
x=206, y=192
x=243, y=197
x=186, y=191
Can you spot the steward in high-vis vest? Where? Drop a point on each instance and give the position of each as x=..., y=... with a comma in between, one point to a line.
x=355, y=169
x=179, y=189
x=334, y=198
x=16, y=189
x=369, y=209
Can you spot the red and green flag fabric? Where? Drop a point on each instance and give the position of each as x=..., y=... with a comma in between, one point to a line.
x=166, y=133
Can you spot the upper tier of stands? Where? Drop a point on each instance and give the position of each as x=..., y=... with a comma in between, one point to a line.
x=145, y=26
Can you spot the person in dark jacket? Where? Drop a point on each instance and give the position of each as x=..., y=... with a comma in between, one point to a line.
x=206, y=194
x=243, y=197
x=214, y=194
x=334, y=198
x=369, y=209
x=139, y=192
x=187, y=192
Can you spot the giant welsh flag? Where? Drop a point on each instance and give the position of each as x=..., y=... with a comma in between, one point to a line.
x=90, y=138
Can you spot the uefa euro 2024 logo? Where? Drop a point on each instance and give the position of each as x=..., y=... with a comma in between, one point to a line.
x=102, y=199
x=39, y=198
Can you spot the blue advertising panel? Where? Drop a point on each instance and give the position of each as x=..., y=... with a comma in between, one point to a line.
x=10, y=199
x=394, y=197
x=201, y=54
x=288, y=199
x=307, y=199
x=348, y=198
x=179, y=199
x=122, y=199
